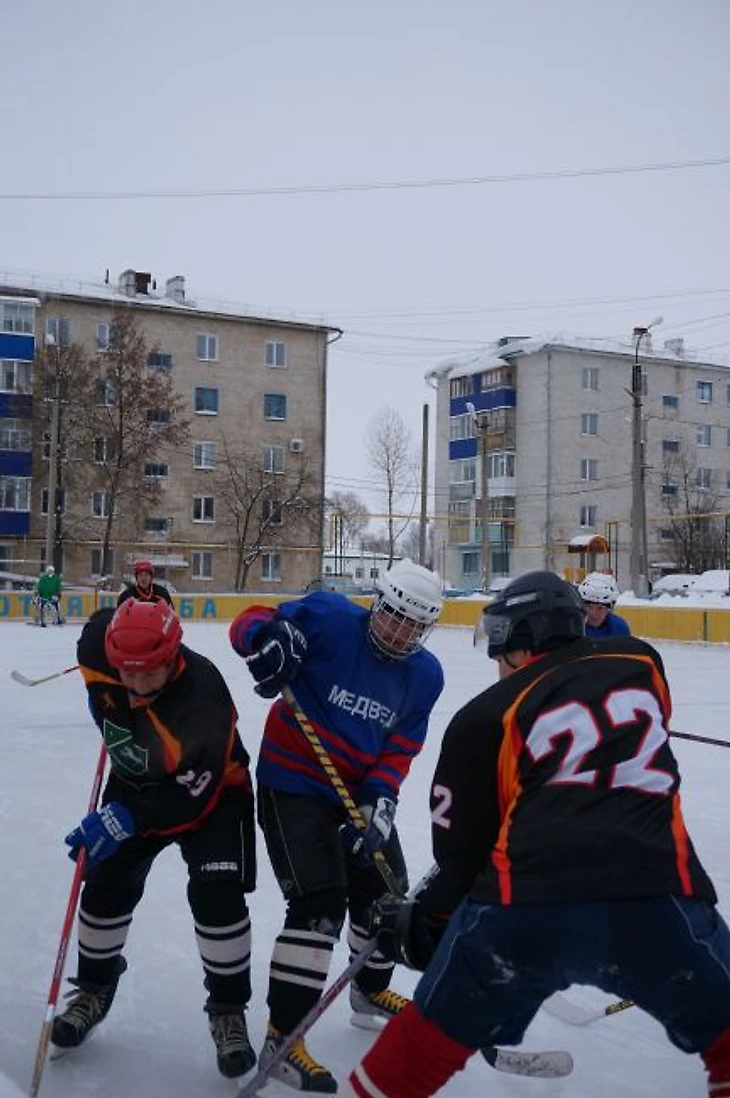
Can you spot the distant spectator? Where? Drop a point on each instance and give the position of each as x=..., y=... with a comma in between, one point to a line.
x=47, y=596
x=600, y=594
x=143, y=589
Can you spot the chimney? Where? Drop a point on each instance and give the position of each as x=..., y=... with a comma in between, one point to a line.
x=175, y=289
x=126, y=282
x=142, y=282
x=675, y=347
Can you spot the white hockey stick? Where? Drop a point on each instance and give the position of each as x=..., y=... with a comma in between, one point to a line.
x=18, y=676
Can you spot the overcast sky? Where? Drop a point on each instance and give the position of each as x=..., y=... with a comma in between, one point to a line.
x=151, y=95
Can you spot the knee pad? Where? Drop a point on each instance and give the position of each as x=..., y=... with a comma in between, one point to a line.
x=322, y=911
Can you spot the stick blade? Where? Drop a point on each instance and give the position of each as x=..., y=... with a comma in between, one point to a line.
x=550, y=1064
x=22, y=679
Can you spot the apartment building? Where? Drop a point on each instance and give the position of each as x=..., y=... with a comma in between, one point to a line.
x=534, y=440
x=242, y=378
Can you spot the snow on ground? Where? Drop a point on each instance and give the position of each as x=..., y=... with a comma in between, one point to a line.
x=155, y=1041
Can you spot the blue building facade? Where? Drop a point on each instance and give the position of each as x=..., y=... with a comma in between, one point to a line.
x=17, y=352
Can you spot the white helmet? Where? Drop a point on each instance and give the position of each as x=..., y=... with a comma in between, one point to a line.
x=50, y=570
x=599, y=587
x=405, y=609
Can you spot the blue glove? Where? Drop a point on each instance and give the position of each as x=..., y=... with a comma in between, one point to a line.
x=101, y=833
x=379, y=824
x=280, y=648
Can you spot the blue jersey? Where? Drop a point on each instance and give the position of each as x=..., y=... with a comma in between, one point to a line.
x=613, y=626
x=371, y=713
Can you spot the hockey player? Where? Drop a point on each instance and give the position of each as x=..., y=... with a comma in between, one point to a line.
x=600, y=594
x=143, y=589
x=48, y=595
x=367, y=686
x=561, y=849
x=179, y=774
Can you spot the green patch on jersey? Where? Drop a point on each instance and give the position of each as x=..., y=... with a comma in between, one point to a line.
x=127, y=757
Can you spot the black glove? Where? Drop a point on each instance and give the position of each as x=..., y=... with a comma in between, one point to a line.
x=404, y=933
x=279, y=649
x=362, y=843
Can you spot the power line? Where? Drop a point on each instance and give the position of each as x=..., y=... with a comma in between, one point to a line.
x=374, y=185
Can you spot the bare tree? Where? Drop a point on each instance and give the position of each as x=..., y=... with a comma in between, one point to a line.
x=267, y=509
x=392, y=456
x=131, y=416
x=349, y=517
x=698, y=531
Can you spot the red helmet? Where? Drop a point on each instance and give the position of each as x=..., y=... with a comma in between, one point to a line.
x=143, y=636
x=144, y=566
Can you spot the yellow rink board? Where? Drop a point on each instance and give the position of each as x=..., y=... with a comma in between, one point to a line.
x=687, y=623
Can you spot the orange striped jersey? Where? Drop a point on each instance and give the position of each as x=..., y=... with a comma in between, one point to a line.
x=558, y=783
x=171, y=758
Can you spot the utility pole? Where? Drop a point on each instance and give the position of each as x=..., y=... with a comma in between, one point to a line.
x=424, y=488
x=481, y=428
x=53, y=455
x=639, y=561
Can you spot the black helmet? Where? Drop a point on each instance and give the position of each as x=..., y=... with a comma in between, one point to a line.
x=538, y=612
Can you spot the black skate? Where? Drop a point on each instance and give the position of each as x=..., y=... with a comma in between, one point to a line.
x=228, y=1030
x=89, y=1005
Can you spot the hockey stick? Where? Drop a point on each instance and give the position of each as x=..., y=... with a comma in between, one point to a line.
x=339, y=786
x=73, y=899
x=559, y=1006
x=18, y=676
x=552, y=1064
x=698, y=739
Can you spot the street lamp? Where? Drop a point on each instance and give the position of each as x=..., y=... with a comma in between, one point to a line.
x=53, y=455
x=639, y=564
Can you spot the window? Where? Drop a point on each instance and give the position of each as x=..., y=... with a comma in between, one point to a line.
x=100, y=504
x=97, y=559
x=107, y=393
x=273, y=459
x=470, y=564
x=103, y=332
x=15, y=377
x=202, y=566
x=589, y=469
x=17, y=316
x=157, y=526
x=704, y=392
x=275, y=354
x=271, y=566
x=158, y=417
x=160, y=361
x=669, y=489
x=204, y=456
x=500, y=465
x=672, y=401
x=667, y=533
x=203, y=509
x=463, y=470
x=588, y=514
x=703, y=478
x=589, y=423
x=461, y=427
x=103, y=450
x=14, y=493
x=6, y=557
x=60, y=501
x=271, y=511
x=461, y=386
x=590, y=379
x=206, y=401
x=206, y=348
x=274, y=406
x=58, y=331
x=15, y=434
x=728, y=394
x=704, y=434
x=670, y=445
x=156, y=470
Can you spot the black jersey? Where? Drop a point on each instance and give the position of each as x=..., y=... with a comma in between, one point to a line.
x=153, y=593
x=558, y=784
x=171, y=758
